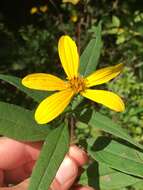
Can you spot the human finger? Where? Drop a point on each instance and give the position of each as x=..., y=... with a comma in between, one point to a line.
x=65, y=176
x=22, y=186
x=30, y=151
x=70, y=167
x=13, y=154
x=78, y=155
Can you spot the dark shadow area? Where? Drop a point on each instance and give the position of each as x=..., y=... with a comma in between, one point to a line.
x=15, y=13
x=100, y=143
x=93, y=174
x=83, y=114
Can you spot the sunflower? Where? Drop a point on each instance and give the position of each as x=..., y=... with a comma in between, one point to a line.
x=54, y=105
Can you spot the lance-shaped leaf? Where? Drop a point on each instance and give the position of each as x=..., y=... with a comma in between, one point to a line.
x=118, y=156
x=90, y=56
x=18, y=123
x=99, y=121
x=54, y=149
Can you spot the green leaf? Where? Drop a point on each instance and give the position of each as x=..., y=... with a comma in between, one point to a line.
x=53, y=152
x=90, y=56
x=136, y=111
x=118, y=156
x=115, y=21
x=15, y=81
x=103, y=177
x=138, y=185
x=18, y=123
x=120, y=39
x=104, y=123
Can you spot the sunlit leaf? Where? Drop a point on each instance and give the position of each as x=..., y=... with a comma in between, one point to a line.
x=106, y=124
x=101, y=176
x=118, y=156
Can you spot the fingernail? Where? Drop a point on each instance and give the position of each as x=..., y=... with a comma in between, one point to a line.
x=67, y=170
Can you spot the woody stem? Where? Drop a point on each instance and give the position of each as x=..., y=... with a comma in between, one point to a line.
x=72, y=130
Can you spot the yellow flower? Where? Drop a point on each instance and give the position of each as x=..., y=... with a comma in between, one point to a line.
x=34, y=10
x=74, y=2
x=74, y=18
x=55, y=104
x=44, y=8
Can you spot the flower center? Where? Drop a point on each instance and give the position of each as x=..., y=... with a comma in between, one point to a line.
x=77, y=84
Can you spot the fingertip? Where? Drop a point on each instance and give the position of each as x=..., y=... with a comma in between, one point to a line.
x=67, y=171
x=78, y=155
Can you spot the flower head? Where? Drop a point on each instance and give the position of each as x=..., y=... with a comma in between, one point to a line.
x=55, y=104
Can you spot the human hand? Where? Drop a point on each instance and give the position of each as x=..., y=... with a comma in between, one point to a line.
x=17, y=160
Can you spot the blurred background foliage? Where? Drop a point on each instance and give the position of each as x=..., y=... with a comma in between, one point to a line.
x=29, y=33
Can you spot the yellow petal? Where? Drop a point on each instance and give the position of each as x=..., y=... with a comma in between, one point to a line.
x=69, y=56
x=41, y=81
x=109, y=99
x=53, y=106
x=103, y=75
